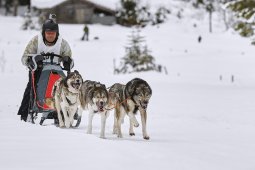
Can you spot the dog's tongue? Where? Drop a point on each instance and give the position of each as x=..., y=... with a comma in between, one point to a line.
x=101, y=109
x=77, y=85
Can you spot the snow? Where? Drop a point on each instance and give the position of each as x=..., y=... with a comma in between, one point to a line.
x=45, y=3
x=195, y=121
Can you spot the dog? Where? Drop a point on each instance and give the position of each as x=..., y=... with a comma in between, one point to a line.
x=128, y=99
x=66, y=95
x=94, y=97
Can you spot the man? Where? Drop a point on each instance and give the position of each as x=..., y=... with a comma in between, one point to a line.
x=86, y=33
x=49, y=41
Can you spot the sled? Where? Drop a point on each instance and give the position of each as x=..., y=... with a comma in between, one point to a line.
x=39, y=108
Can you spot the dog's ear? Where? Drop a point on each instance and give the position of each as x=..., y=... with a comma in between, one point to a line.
x=65, y=82
x=130, y=87
x=147, y=86
x=107, y=94
x=103, y=86
x=90, y=96
x=76, y=71
x=97, y=85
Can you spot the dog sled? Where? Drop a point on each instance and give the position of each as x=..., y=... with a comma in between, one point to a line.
x=51, y=71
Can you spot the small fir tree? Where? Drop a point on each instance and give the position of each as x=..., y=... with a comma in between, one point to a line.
x=138, y=57
x=28, y=22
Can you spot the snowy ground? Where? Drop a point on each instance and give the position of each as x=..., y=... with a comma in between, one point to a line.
x=195, y=121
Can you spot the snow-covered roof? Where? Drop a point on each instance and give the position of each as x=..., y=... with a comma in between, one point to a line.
x=45, y=3
x=111, y=4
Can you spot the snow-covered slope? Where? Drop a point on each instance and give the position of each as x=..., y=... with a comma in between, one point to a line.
x=195, y=120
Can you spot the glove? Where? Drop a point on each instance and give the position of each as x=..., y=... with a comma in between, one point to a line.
x=67, y=59
x=66, y=66
x=38, y=60
x=67, y=62
x=30, y=63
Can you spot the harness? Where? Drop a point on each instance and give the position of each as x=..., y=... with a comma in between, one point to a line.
x=123, y=103
x=68, y=100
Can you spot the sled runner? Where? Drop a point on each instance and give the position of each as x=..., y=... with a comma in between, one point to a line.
x=42, y=89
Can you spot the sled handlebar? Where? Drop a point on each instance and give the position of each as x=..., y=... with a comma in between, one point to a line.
x=33, y=59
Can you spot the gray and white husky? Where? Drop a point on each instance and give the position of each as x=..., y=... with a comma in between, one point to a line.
x=94, y=97
x=128, y=99
x=66, y=99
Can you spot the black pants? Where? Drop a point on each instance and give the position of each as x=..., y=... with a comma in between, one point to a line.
x=28, y=96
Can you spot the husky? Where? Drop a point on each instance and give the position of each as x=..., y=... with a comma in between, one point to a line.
x=94, y=97
x=128, y=99
x=66, y=95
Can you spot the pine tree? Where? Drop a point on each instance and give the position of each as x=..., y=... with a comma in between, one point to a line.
x=132, y=13
x=210, y=9
x=28, y=22
x=209, y=6
x=244, y=10
x=138, y=57
x=196, y=3
x=160, y=15
x=127, y=15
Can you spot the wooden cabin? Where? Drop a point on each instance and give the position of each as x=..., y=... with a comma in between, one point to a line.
x=77, y=11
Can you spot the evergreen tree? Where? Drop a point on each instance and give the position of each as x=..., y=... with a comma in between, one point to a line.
x=244, y=10
x=196, y=3
x=132, y=13
x=210, y=9
x=160, y=15
x=209, y=6
x=28, y=22
x=127, y=15
x=138, y=57
x=8, y=5
x=15, y=7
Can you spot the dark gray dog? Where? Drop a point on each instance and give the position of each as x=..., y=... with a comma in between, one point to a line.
x=128, y=99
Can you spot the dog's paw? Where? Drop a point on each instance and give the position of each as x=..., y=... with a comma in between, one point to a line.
x=119, y=136
x=102, y=137
x=146, y=137
x=61, y=125
x=132, y=134
x=136, y=124
x=67, y=124
x=89, y=131
x=115, y=131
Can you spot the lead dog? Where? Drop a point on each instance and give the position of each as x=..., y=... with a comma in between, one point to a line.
x=128, y=99
x=67, y=98
x=94, y=97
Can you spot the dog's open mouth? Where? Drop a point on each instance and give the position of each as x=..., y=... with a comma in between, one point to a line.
x=101, y=108
x=76, y=85
x=144, y=106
